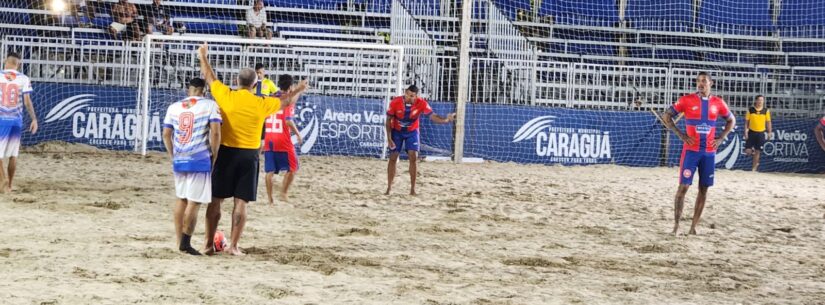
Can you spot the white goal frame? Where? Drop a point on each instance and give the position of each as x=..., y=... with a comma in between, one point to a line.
x=145, y=79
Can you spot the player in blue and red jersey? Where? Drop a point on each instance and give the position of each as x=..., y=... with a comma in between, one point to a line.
x=402, y=131
x=701, y=110
x=279, y=151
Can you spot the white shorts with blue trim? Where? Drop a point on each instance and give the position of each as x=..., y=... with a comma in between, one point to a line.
x=9, y=140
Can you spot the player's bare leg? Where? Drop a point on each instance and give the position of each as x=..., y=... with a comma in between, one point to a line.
x=697, y=210
x=679, y=206
x=756, y=155
x=269, y=185
x=2, y=177
x=213, y=216
x=238, y=223
x=413, y=169
x=391, y=171
x=180, y=208
x=288, y=178
x=12, y=170
x=190, y=218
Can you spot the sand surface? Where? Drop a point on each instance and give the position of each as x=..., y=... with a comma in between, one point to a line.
x=92, y=227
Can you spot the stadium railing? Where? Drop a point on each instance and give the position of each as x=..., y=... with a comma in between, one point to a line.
x=619, y=87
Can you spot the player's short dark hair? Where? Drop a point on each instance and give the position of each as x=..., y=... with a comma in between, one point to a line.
x=413, y=88
x=706, y=74
x=758, y=96
x=247, y=78
x=197, y=82
x=258, y=66
x=13, y=55
x=285, y=81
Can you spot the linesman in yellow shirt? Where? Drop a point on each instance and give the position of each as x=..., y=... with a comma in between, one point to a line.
x=758, y=131
x=235, y=173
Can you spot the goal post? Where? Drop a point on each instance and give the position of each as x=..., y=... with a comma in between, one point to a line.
x=351, y=85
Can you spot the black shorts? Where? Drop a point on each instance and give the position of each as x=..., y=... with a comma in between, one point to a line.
x=755, y=140
x=236, y=174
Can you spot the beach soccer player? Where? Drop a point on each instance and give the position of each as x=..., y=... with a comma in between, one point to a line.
x=403, y=118
x=192, y=135
x=279, y=151
x=235, y=174
x=701, y=111
x=14, y=88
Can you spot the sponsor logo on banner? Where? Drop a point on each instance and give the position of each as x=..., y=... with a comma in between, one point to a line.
x=101, y=126
x=784, y=147
x=565, y=145
x=787, y=147
x=730, y=152
x=365, y=128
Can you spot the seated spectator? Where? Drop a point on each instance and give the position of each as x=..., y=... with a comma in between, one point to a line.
x=256, y=21
x=78, y=6
x=124, y=14
x=159, y=20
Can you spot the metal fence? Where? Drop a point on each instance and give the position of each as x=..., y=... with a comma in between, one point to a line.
x=618, y=87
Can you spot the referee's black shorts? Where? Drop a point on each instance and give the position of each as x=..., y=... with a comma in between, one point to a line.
x=756, y=140
x=236, y=174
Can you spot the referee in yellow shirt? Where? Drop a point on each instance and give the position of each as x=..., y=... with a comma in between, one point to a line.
x=758, y=121
x=235, y=173
x=265, y=86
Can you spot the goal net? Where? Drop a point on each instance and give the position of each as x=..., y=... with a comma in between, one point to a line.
x=343, y=112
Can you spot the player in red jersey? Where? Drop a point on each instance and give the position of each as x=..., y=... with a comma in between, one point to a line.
x=279, y=152
x=402, y=131
x=701, y=110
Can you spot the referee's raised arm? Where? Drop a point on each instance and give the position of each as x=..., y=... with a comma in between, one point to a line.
x=206, y=68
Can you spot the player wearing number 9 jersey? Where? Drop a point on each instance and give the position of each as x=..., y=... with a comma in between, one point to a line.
x=192, y=136
x=14, y=87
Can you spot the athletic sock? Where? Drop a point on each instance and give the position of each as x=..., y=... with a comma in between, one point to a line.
x=186, y=245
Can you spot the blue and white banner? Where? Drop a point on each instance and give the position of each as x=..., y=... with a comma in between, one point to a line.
x=561, y=136
x=793, y=148
x=105, y=117
x=101, y=116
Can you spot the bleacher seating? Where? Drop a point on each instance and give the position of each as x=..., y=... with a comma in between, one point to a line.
x=736, y=17
x=662, y=25
x=658, y=15
x=576, y=12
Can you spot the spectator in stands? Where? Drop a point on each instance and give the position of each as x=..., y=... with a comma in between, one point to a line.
x=77, y=6
x=159, y=20
x=124, y=14
x=256, y=21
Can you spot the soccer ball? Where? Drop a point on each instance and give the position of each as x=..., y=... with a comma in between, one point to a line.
x=220, y=241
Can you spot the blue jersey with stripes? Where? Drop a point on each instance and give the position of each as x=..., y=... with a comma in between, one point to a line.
x=13, y=86
x=189, y=119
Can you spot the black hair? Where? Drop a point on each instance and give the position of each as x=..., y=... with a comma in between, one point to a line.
x=258, y=66
x=758, y=96
x=197, y=82
x=285, y=82
x=413, y=88
x=706, y=74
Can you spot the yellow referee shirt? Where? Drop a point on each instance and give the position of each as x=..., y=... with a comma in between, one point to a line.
x=268, y=87
x=243, y=115
x=758, y=119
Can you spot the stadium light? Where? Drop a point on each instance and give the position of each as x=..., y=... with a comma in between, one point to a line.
x=58, y=6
